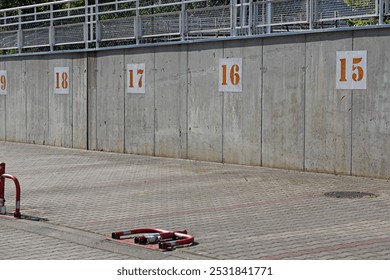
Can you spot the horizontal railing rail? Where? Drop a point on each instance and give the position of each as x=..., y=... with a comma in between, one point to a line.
x=68, y=25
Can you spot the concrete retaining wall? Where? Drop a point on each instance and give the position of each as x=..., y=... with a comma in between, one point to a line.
x=288, y=115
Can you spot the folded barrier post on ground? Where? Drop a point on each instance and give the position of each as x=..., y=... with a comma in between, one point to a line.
x=184, y=239
x=4, y=176
x=166, y=239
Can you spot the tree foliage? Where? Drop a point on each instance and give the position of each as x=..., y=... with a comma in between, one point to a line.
x=18, y=3
x=360, y=4
x=363, y=5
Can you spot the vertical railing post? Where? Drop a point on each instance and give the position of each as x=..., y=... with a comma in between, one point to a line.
x=250, y=18
x=2, y=185
x=97, y=24
x=183, y=21
x=310, y=4
x=381, y=11
x=51, y=29
x=20, y=32
x=242, y=18
x=233, y=18
x=269, y=17
x=137, y=24
x=255, y=19
x=91, y=23
x=86, y=37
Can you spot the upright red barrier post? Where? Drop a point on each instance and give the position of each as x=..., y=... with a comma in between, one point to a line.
x=4, y=176
x=17, y=200
x=2, y=184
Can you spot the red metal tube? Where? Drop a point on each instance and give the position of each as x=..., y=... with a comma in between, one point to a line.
x=118, y=234
x=17, y=186
x=2, y=171
x=155, y=237
x=4, y=176
x=2, y=184
x=184, y=239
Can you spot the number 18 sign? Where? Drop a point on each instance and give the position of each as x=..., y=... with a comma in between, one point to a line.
x=351, y=70
x=61, y=80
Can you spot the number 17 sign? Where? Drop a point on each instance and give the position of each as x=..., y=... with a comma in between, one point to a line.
x=136, y=78
x=351, y=70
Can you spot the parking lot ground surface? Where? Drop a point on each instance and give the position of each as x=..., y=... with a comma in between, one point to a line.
x=75, y=199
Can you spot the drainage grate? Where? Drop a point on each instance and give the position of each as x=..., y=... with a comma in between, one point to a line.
x=346, y=194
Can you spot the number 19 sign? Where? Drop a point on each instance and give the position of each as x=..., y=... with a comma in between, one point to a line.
x=351, y=70
x=3, y=82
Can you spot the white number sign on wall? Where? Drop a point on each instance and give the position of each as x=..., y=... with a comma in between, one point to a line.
x=3, y=82
x=61, y=80
x=230, y=75
x=136, y=78
x=351, y=70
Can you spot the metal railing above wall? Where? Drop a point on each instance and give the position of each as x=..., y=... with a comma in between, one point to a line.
x=94, y=24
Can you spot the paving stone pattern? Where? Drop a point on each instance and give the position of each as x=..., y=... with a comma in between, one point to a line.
x=234, y=212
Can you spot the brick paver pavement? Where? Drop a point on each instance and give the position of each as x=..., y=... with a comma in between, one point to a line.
x=234, y=212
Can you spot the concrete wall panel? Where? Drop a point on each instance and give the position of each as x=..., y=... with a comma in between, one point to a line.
x=79, y=105
x=92, y=101
x=241, y=129
x=16, y=100
x=110, y=101
x=328, y=111
x=60, y=105
x=288, y=115
x=2, y=117
x=3, y=99
x=371, y=107
x=139, y=108
x=204, y=102
x=37, y=93
x=171, y=101
x=283, y=102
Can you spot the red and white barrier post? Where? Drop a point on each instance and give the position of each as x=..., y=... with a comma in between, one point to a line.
x=166, y=239
x=4, y=176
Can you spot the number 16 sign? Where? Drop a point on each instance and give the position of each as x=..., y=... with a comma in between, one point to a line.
x=230, y=75
x=351, y=70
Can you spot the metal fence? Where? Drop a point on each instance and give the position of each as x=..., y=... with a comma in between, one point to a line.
x=93, y=24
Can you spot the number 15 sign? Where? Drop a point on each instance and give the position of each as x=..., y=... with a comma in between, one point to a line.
x=351, y=70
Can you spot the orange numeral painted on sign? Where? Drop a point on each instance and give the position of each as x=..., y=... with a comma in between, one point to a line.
x=358, y=72
x=224, y=82
x=3, y=82
x=64, y=80
x=343, y=77
x=234, y=76
x=140, y=73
